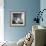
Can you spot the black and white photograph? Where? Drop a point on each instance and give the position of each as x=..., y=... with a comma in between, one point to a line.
x=17, y=18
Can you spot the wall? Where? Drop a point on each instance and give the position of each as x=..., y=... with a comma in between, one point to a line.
x=43, y=6
x=30, y=7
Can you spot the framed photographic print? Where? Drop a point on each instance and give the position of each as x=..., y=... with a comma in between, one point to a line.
x=17, y=18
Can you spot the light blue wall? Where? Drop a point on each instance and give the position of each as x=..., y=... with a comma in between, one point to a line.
x=30, y=7
x=43, y=6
